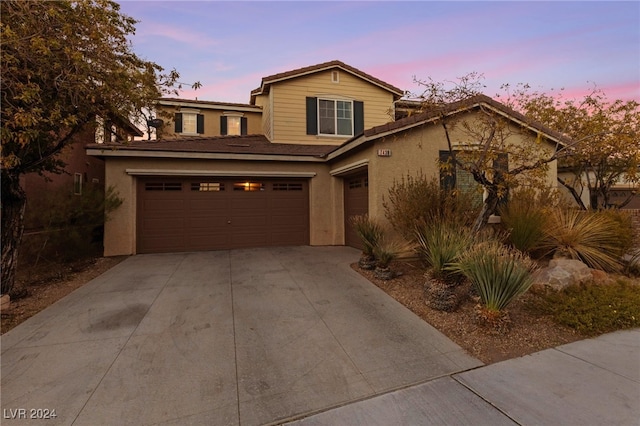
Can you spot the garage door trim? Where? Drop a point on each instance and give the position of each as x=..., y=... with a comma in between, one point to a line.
x=219, y=173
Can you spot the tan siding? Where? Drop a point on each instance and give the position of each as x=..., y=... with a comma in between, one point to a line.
x=289, y=105
x=264, y=101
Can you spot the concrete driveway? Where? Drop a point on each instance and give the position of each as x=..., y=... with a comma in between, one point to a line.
x=244, y=337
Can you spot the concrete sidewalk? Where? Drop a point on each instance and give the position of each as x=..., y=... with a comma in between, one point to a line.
x=590, y=382
x=218, y=338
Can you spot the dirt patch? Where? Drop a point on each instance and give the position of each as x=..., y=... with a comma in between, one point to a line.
x=529, y=331
x=46, y=285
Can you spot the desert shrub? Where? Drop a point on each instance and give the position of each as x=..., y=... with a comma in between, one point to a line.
x=524, y=218
x=594, y=309
x=369, y=232
x=622, y=227
x=64, y=227
x=413, y=200
x=499, y=273
x=591, y=237
x=440, y=244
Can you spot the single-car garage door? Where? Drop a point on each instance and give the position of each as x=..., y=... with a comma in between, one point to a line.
x=356, y=203
x=206, y=213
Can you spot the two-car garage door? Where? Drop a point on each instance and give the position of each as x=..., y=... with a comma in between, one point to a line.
x=205, y=213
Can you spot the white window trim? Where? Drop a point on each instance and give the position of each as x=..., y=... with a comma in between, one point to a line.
x=77, y=184
x=191, y=112
x=238, y=115
x=335, y=116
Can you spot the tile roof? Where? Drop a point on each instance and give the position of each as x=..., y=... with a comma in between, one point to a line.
x=206, y=103
x=266, y=81
x=455, y=107
x=250, y=144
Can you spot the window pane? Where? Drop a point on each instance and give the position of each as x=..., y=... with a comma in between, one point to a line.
x=248, y=186
x=189, y=122
x=233, y=125
x=344, y=118
x=326, y=115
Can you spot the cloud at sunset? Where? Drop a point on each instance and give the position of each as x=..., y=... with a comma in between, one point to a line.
x=230, y=46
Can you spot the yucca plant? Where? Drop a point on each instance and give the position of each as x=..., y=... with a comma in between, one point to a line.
x=439, y=245
x=385, y=252
x=590, y=237
x=370, y=233
x=499, y=273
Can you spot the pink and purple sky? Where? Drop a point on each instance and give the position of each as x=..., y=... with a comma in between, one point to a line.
x=230, y=46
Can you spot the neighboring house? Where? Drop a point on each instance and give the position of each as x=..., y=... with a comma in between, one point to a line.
x=623, y=193
x=321, y=145
x=80, y=169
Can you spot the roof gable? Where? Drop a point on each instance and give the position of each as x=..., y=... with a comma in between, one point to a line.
x=288, y=75
x=453, y=108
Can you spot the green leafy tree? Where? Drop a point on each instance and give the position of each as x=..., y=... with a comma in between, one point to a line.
x=607, y=132
x=64, y=63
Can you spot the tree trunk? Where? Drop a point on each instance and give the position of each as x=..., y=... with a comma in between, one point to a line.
x=573, y=193
x=13, y=204
x=488, y=208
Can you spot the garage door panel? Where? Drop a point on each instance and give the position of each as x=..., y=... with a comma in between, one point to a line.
x=156, y=207
x=207, y=214
x=356, y=202
x=167, y=225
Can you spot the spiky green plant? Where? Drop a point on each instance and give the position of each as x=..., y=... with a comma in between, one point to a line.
x=591, y=237
x=369, y=232
x=440, y=244
x=524, y=219
x=498, y=273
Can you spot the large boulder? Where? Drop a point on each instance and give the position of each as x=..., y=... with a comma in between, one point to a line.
x=562, y=273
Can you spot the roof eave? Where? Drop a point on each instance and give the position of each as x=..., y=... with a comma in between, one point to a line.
x=141, y=153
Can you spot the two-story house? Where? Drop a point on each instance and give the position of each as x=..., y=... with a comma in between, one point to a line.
x=313, y=147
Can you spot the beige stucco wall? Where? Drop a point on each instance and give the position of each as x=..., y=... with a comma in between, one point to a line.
x=120, y=230
x=287, y=101
x=415, y=152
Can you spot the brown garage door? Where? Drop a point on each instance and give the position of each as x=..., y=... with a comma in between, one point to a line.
x=356, y=202
x=194, y=214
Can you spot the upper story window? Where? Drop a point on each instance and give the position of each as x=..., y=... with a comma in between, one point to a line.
x=333, y=117
x=233, y=124
x=189, y=122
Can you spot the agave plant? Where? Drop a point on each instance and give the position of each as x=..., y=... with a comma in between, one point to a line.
x=499, y=274
x=591, y=237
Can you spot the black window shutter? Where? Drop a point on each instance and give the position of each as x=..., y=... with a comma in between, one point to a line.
x=312, y=116
x=243, y=125
x=448, y=173
x=200, y=123
x=501, y=164
x=177, y=119
x=223, y=125
x=358, y=117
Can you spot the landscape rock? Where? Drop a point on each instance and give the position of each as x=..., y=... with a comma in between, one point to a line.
x=562, y=273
